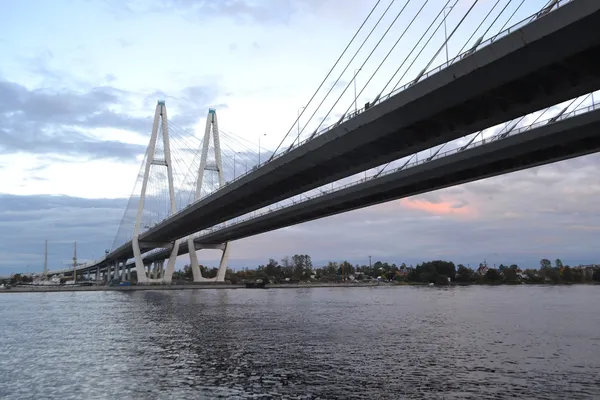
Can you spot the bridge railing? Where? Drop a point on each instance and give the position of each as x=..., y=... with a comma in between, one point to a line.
x=425, y=75
x=494, y=138
x=433, y=71
x=380, y=99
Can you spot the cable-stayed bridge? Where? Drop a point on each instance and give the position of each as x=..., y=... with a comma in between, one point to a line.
x=521, y=73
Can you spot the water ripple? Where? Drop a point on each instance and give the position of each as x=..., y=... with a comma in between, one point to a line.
x=334, y=343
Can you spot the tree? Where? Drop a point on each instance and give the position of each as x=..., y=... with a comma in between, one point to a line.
x=286, y=268
x=377, y=267
x=567, y=273
x=331, y=269
x=577, y=275
x=187, y=273
x=533, y=276
x=302, y=265
x=558, y=263
x=493, y=275
x=464, y=274
x=346, y=269
x=510, y=274
x=428, y=271
x=545, y=263
x=272, y=269
x=553, y=274
x=446, y=268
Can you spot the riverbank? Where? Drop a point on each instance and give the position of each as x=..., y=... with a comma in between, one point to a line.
x=48, y=289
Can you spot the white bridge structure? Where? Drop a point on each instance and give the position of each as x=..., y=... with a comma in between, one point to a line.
x=156, y=272
x=159, y=159
x=547, y=62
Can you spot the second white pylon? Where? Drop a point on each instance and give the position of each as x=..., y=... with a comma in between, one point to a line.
x=212, y=127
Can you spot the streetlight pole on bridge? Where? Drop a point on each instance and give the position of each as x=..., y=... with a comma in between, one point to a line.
x=446, y=34
x=234, y=153
x=298, y=121
x=356, y=71
x=264, y=134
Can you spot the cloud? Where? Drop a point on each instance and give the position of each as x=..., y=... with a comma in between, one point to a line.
x=45, y=121
x=189, y=105
x=511, y=218
x=26, y=221
x=523, y=222
x=260, y=11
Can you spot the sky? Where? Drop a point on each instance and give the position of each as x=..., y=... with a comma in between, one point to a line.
x=79, y=82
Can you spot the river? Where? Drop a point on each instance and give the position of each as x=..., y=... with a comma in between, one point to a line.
x=526, y=342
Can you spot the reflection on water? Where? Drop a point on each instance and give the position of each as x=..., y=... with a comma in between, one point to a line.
x=347, y=343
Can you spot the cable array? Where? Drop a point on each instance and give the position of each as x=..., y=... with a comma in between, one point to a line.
x=238, y=156
x=381, y=37
x=468, y=24
x=519, y=125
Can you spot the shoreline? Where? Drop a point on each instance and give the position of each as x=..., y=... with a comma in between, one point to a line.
x=201, y=286
x=50, y=289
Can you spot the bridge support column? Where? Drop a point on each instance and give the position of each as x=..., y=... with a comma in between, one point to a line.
x=160, y=116
x=123, y=268
x=167, y=275
x=157, y=269
x=223, y=264
x=98, y=273
x=197, y=274
x=212, y=126
x=161, y=270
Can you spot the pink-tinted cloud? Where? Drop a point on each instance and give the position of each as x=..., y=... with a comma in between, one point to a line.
x=443, y=208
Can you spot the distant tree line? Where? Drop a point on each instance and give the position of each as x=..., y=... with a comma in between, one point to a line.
x=299, y=268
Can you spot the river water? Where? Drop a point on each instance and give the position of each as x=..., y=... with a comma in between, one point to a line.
x=331, y=343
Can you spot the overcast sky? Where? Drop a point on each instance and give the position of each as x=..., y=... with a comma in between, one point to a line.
x=79, y=81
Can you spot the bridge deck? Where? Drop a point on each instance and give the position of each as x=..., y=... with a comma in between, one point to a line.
x=547, y=143
x=553, y=59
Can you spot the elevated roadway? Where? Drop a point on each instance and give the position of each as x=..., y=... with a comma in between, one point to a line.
x=576, y=135
x=534, y=65
x=550, y=60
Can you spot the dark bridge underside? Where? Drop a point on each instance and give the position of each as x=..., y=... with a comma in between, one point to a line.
x=566, y=139
x=502, y=81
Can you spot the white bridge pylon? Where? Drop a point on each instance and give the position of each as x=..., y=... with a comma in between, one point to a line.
x=160, y=117
x=212, y=126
